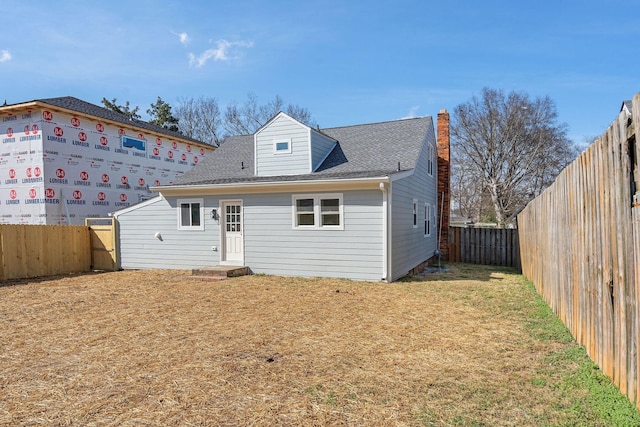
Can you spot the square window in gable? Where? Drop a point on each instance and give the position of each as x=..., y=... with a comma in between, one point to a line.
x=282, y=146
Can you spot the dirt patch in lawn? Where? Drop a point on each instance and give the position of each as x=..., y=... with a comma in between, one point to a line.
x=159, y=348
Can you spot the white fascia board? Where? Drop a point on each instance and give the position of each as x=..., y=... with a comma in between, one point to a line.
x=310, y=148
x=255, y=154
x=272, y=119
x=136, y=206
x=274, y=187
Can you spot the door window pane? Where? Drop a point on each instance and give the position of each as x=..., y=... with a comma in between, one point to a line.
x=233, y=218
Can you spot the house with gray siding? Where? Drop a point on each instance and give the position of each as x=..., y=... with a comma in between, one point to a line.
x=356, y=202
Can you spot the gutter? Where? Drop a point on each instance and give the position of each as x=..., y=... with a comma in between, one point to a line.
x=272, y=186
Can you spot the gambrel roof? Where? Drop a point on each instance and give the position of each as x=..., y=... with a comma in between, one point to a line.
x=362, y=151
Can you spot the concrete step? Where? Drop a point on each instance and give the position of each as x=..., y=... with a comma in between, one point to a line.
x=220, y=271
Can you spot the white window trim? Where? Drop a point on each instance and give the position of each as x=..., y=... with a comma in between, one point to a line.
x=280, y=140
x=427, y=219
x=432, y=155
x=414, y=213
x=317, y=216
x=179, y=215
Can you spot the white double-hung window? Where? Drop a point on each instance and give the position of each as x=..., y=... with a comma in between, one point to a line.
x=318, y=211
x=427, y=220
x=430, y=160
x=190, y=214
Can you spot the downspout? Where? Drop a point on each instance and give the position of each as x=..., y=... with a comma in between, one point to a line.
x=386, y=249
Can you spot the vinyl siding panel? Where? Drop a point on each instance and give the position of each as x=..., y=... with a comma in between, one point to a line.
x=140, y=249
x=271, y=244
x=297, y=162
x=409, y=245
x=321, y=146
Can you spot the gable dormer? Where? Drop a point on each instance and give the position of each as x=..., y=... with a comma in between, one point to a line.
x=284, y=146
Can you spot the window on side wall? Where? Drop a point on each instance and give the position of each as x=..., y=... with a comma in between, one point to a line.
x=430, y=160
x=427, y=220
x=318, y=211
x=190, y=214
x=415, y=213
x=305, y=212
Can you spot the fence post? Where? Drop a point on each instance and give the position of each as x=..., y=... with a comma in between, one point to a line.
x=2, y=269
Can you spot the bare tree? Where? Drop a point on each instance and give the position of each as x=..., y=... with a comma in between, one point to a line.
x=202, y=118
x=511, y=145
x=250, y=116
x=466, y=192
x=199, y=119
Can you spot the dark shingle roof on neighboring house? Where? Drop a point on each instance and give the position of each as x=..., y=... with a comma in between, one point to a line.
x=80, y=106
x=362, y=151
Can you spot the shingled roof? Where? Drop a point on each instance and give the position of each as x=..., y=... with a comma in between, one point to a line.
x=362, y=151
x=83, y=107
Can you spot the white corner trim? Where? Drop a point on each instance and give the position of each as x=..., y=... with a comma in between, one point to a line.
x=385, y=232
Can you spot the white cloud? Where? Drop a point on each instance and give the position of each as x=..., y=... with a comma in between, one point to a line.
x=224, y=52
x=413, y=112
x=5, y=56
x=184, y=37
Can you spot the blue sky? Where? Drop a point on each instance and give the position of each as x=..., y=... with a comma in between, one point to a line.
x=348, y=62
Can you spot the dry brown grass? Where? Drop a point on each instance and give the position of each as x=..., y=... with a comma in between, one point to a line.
x=159, y=348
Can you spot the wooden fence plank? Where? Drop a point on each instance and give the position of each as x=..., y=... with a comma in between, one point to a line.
x=43, y=250
x=489, y=246
x=579, y=244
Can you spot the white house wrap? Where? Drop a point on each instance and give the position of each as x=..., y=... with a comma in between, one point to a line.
x=63, y=160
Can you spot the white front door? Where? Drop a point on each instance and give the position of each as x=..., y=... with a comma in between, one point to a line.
x=232, y=229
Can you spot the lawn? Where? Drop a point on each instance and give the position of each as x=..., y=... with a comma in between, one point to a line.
x=471, y=346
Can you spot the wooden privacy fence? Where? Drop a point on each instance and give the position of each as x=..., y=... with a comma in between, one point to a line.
x=580, y=246
x=43, y=250
x=104, y=243
x=48, y=250
x=491, y=246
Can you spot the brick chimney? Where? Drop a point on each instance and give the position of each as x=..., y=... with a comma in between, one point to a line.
x=444, y=174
